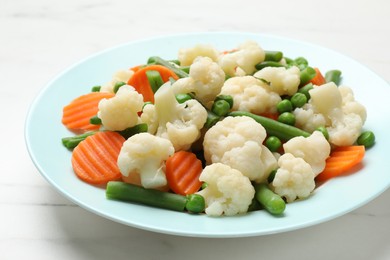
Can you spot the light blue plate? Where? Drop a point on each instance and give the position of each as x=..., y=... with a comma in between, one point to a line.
x=43, y=133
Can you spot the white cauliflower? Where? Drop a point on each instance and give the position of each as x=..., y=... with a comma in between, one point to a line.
x=237, y=142
x=243, y=59
x=145, y=154
x=314, y=149
x=186, y=56
x=149, y=117
x=119, y=76
x=336, y=109
x=205, y=80
x=294, y=178
x=282, y=81
x=120, y=112
x=179, y=123
x=251, y=94
x=228, y=191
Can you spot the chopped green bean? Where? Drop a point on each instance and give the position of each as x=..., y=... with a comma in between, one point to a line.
x=283, y=131
x=305, y=90
x=118, y=85
x=265, y=64
x=273, y=55
x=367, y=138
x=306, y=75
x=181, y=98
x=140, y=128
x=96, y=89
x=165, y=63
x=324, y=131
x=95, y=120
x=211, y=120
x=154, y=79
x=333, y=76
x=220, y=107
x=73, y=141
x=271, y=201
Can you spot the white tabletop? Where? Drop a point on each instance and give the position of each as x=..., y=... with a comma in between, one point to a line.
x=38, y=39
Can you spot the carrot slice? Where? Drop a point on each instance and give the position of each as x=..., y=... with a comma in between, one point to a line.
x=94, y=160
x=318, y=78
x=76, y=115
x=182, y=171
x=140, y=82
x=341, y=160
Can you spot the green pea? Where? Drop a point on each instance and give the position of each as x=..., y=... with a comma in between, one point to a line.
x=298, y=99
x=366, y=138
x=287, y=118
x=273, y=143
x=195, y=203
x=284, y=106
x=220, y=107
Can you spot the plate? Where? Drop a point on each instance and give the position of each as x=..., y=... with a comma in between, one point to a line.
x=43, y=133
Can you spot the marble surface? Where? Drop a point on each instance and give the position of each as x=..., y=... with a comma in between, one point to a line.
x=38, y=39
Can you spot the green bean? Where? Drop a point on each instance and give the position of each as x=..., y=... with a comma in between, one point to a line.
x=271, y=176
x=324, y=131
x=273, y=143
x=96, y=89
x=186, y=69
x=117, y=190
x=73, y=141
x=287, y=118
x=227, y=98
x=271, y=201
x=265, y=64
x=305, y=90
x=283, y=131
x=255, y=205
x=211, y=120
x=306, y=75
x=118, y=85
x=181, y=98
x=140, y=128
x=154, y=79
x=95, y=120
x=195, y=203
x=284, y=106
x=366, y=138
x=273, y=55
x=333, y=76
x=298, y=100
x=220, y=107
x=165, y=63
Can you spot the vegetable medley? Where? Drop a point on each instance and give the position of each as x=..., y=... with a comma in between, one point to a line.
x=217, y=132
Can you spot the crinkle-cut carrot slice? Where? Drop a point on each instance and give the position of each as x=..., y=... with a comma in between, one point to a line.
x=76, y=115
x=182, y=171
x=341, y=160
x=94, y=160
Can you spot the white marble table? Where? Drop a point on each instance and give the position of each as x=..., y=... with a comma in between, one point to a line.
x=40, y=38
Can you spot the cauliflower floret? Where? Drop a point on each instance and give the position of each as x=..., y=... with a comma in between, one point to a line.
x=237, y=142
x=120, y=112
x=145, y=154
x=119, y=76
x=180, y=123
x=149, y=117
x=187, y=56
x=250, y=94
x=282, y=81
x=228, y=191
x=314, y=149
x=294, y=178
x=205, y=80
x=336, y=109
x=244, y=59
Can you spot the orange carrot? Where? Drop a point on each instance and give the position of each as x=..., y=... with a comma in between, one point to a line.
x=318, y=78
x=270, y=115
x=94, y=160
x=182, y=171
x=140, y=82
x=76, y=115
x=341, y=160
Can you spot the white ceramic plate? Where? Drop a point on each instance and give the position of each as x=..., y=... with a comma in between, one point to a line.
x=339, y=196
